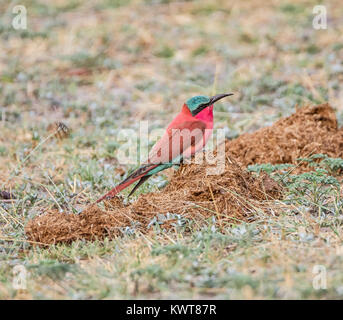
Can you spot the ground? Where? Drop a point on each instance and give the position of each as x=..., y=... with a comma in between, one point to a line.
x=100, y=66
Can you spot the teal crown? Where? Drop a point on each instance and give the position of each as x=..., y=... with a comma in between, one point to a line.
x=194, y=102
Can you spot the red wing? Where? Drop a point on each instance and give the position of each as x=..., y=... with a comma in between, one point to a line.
x=177, y=140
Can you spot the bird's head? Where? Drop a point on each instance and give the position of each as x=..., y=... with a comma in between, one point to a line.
x=198, y=103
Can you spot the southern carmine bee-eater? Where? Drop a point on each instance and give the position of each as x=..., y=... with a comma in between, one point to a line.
x=187, y=134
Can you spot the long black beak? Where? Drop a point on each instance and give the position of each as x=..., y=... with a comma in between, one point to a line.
x=217, y=97
x=213, y=100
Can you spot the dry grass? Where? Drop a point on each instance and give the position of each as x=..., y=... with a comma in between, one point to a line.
x=232, y=194
x=101, y=66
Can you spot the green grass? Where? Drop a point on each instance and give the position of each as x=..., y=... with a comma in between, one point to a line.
x=106, y=66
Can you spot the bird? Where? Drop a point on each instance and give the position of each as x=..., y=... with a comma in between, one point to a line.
x=186, y=134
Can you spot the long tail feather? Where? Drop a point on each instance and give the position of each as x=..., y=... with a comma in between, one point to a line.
x=138, y=174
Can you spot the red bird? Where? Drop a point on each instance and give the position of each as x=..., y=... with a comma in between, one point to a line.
x=187, y=134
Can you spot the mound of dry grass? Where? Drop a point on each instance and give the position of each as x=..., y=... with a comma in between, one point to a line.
x=312, y=129
x=231, y=196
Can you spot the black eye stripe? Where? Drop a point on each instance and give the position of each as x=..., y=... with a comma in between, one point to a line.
x=204, y=104
x=200, y=108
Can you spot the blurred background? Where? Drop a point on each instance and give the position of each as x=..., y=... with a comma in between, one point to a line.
x=99, y=66
x=83, y=70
